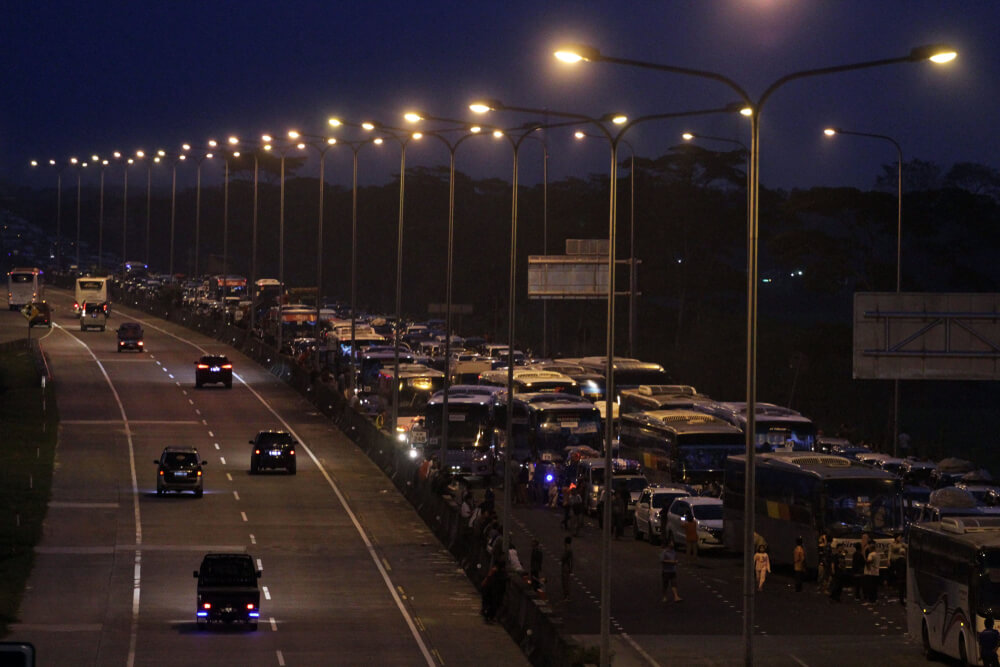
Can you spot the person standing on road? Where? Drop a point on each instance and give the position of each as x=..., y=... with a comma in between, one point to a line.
x=668, y=571
x=823, y=555
x=857, y=568
x=872, y=565
x=897, y=566
x=761, y=565
x=566, y=566
x=576, y=510
x=838, y=573
x=691, y=538
x=799, y=563
x=989, y=640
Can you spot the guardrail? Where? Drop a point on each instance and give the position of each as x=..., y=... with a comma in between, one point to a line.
x=526, y=616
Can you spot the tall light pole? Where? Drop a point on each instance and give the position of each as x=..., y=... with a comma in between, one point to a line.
x=282, y=150
x=206, y=154
x=573, y=54
x=80, y=166
x=356, y=146
x=173, y=159
x=53, y=163
x=452, y=147
x=833, y=131
x=100, y=215
x=149, y=201
x=126, y=161
x=321, y=145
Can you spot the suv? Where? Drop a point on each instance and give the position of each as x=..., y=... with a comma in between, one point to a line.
x=651, y=510
x=273, y=449
x=179, y=469
x=213, y=368
x=705, y=512
x=130, y=336
x=228, y=591
x=93, y=315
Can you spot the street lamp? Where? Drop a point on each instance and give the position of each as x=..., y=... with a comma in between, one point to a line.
x=126, y=161
x=282, y=150
x=80, y=166
x=833, y=131
x=575, y=54
x=173, y=159
x=100, y=215
x=149, y=200
x=355, y=148
x=206, y=154
x=59, y=168
x=233, y=154
x=452, y=147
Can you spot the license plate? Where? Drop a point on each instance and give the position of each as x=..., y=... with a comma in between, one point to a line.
x=275, y=452
x=419, y=437
x=214, y=369
x=180, y=474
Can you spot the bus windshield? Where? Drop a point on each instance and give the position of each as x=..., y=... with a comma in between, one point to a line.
x=558, y=429
x=854, y=506
x=466, y=424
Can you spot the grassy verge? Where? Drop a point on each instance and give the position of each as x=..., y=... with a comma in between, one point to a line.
x=27, y=450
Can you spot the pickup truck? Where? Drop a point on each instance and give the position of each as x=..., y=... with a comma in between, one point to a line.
x=130, y=336
x=227, y=590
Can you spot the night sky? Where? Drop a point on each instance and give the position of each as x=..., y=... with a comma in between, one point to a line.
x=92, y=77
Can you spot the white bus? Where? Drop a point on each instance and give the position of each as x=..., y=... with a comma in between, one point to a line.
x=775, y=426
x=804, y=494
x=91, y=290
x=531, y=380
x=952, y=583
x=24, y=286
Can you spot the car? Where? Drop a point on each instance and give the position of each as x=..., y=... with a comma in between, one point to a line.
x=228, y=591
x=706, y=512
x=654, y=502
x=213, y=369
x=273, y=450
x=180, y=469
x=93, y=315
x=130, y=336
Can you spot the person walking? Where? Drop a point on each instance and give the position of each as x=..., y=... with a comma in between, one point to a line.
x=989, y=640
x=823, y=556
x=799, y=563
x=668, y=572
x=857, y=568
x=691, y=538
x=872, y=565
x=761, y=565
x=566, y=566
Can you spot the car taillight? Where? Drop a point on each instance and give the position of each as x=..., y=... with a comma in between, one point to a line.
x=291, y=452
x=202, y=366
x=140, y=343
x=199, y=473
x=227, y=365
x=250, y=606
x=256, y=451
x=206, y=605
x=161, y=473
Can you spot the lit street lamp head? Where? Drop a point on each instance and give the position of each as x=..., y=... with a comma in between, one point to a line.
x=574, y=53
x=413, y=117
x=936, y=53
x=482, y=106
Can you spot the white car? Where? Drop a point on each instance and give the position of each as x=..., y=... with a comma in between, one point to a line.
x=654, y=501
x=706, y=512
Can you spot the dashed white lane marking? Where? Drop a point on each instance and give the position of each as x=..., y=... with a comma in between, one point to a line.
x=211, y=435
x=274, y=625
x=253, y=539
x=170, y=375
x=267, y=593
x=191, y=401
x=281, y=658
x=223, y=459
x=217, y=445
x=229, y=477
x=197, y=411
x=797, y=660
x=260, y=565
x=236, y=495
x=243, y=515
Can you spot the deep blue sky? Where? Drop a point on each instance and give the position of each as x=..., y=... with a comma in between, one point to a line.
x=85, y=77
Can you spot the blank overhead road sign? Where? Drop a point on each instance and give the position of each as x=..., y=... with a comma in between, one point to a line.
x=925, y=336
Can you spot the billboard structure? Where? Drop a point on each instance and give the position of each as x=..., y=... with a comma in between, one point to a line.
x=925, y=336
x=582, y=273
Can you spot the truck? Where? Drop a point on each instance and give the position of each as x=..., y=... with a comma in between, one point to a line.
x=228, y=591
x=92, y=289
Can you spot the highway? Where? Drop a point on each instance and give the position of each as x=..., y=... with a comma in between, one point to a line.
x=351, y=575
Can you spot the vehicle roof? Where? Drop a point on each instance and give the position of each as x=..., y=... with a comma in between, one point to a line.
x=824, y=466
x=683, y=421
x=738, y=409
x=973, y=531
x=183, y=450
x=701, y=500
x=462, y=398
x=213, y=357
x=555, y=401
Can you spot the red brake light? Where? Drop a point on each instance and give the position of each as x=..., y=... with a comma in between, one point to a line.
x=256, y=451
x=202, y=366
x=227, y=365
x=161, y=473
x=250, y=606
x=291, y=452
x=199, y=473
x=206, y=605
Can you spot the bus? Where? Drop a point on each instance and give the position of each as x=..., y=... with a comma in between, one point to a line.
x=660, y=397
x=90, y=289
x=229, y=290
x=417, y=383
x=952, y=584
x=545, y=424
x=804, y=494
x=775, y=426
x=472, y=421
x=24, y=286
x=628, y=373
x=529, y=380
x=681, y=445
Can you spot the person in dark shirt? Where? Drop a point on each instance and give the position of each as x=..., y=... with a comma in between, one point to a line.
x=858, y=568
x=989, y=640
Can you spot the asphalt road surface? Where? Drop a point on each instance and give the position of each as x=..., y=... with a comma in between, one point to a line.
x=350, y=573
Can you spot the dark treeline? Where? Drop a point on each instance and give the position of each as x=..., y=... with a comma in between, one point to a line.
x=690, y=231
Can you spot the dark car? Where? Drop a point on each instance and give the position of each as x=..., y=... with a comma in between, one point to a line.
x=272, y=450
x=40, y=315
x=93, y=315
x=179, y=469
x=130, y=336
x=228, y=591
x=213, y=368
